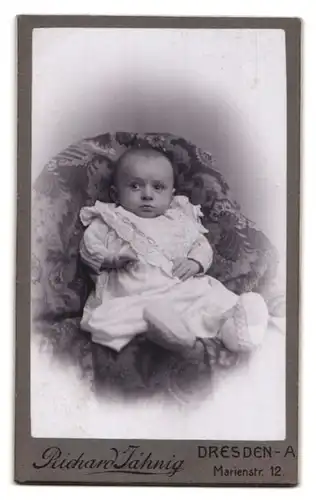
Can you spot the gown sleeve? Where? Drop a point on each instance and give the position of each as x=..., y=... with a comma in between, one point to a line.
x=100, y=244
x=94, y=249
x=201, y=250
x=202, y=253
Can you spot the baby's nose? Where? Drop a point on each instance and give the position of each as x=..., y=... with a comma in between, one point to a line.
x=147, y=193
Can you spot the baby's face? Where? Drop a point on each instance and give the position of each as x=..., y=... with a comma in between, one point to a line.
x=144, y=186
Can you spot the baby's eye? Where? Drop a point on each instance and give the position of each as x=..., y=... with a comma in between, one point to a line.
x=134, y=185
x=159, y=187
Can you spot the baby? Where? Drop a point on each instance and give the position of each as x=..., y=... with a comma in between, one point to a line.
x=148, y=257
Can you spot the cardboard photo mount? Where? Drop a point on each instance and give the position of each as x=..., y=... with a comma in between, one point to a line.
x=130, y=462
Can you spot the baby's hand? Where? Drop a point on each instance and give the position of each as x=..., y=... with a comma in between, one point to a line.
x=185, y=268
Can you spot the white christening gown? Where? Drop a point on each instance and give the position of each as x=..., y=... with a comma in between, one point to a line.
x=113, y=313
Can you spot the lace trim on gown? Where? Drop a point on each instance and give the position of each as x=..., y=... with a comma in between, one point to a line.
x=128, y=231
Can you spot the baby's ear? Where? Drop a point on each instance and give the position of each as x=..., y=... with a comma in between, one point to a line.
x=113, y=194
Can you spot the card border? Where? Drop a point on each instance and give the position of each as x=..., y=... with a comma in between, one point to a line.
x=25, y=445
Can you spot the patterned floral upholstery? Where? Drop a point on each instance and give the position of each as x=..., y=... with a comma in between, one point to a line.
x=244, y=259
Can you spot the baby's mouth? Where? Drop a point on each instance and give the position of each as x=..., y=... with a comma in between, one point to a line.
x=147, y=207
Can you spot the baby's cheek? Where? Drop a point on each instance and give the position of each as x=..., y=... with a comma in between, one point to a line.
x=132, y=198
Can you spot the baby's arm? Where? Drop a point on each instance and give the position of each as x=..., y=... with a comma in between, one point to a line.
x=202, y=253
x=94, y=249
x=197, y=262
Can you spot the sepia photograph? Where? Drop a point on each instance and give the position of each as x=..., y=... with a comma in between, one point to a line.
x=158, y=233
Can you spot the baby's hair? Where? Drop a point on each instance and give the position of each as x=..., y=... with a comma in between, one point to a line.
x=137, y=153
